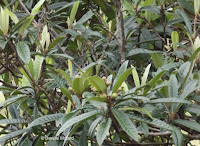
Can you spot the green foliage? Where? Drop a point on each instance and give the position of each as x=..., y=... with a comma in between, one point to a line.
x=99, y=72
x=126, y=124
x=103, y=130
x=23, y=52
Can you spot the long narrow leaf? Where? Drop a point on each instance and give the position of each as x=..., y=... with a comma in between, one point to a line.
x=103, y=130
x=121, y=79
x=126, y=124
x=77, y=119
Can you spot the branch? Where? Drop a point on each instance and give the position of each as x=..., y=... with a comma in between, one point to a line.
x=193, y=137
x=123, y=49
x=60, y=48
x=26, y=10
x=12, y=46
x=104, y=27
x=139, y=16
x=120, y=26
x=5, y=68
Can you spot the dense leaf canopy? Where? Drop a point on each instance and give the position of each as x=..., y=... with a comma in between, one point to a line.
x=99, y=72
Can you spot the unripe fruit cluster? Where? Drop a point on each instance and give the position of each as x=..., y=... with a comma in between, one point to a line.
x=106, y=81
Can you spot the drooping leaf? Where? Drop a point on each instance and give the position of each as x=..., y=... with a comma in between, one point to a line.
x=177, y=136
x=94, y=125
x=66, y=93
x=187, y=5
x=45, y=119
x=170, y=100
x=23, y=51
x=85, y=17
x=189, y=124
x=125, y=123
x=103, y=130
x=173, y=87
x=13, y=134
x=186, y=19
x=155, y=121
x=63, y=55
x=38, y=66
x=169, y=66
x=13, y=121
x=142, y=110
x=66, y=76
x=77, y=119
x=141, y=51
x=11, y=99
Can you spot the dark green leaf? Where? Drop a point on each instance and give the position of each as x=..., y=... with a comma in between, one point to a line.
x=23, y=51
x=126, y=124
x=77, y=119
x=103, y=130
x=45, y=119
x=189, y=124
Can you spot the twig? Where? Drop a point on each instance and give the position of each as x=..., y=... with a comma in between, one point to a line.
x=8, y=85
x=104, y=27
x=12, y=46
x=195, y=26
x=139, y=16
x=7, y=68
x=60, y=48
x=26, y=10
x=157, y=133
x=193, y=136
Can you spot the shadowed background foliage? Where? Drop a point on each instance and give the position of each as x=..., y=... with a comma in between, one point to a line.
x=99, y=72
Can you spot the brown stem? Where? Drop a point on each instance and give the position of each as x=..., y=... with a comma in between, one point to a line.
x=60, y=48
x=151, y=25
x=12, y=46
x=8, y=85
x=195, y=26
x=157, y=133
x=123, y=48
